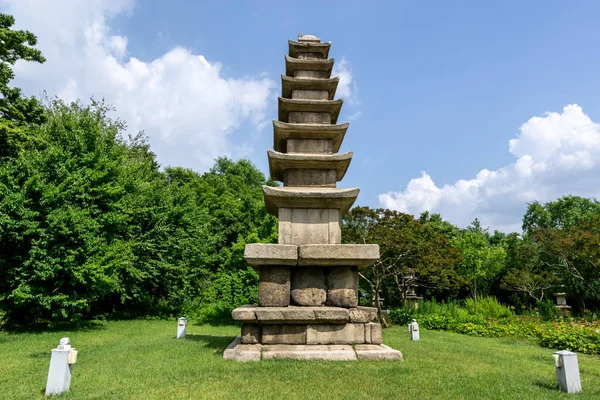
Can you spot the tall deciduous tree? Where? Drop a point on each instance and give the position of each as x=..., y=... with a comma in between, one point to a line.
x=16, y=110
x=481, y=260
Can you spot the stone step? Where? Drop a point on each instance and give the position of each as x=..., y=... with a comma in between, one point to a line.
x=307, y=197
x=279, y=163
x=309, y=87
x=308, y=49
x=238, y=351
x=316, y=108
x=321, y=68
x=283, y=131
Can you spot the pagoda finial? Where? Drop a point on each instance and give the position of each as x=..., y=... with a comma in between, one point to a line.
x=308, y=38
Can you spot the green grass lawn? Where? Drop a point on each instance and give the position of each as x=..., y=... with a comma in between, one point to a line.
x=143, y=360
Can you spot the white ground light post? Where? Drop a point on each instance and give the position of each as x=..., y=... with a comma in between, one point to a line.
x=414, y=330
x=181, y=327
x=59, y=373
x=567, y=371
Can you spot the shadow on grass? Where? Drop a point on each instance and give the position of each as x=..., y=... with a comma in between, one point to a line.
x=546, y=385
x=213, y=342
x=58, y=327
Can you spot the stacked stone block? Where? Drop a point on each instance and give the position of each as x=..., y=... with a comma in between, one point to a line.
x=308, y=282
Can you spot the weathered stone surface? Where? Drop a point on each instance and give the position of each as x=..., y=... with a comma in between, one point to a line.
x=335, y=334
x=308, y=88
x=372, y=352
x=284, y=334
x=282, y=132
x=274, y=286
x=308, y=287
x=257, y=254
x=306, y=110
x=362, y=314
x=309, y=352
x=307, y=225
x=318, y=146
x=310, y=94
x=342, y=286
x=242, y=352
x=310, y=74
x=298, y=67
x=251, y=334
x=280, y=162
x=309, y=117
x=244, y=313
x=376, y=336
x=307, y=197
x=309, y=177
x=322, y=49
x=291, y=315
x=360, y=255
x=342, y=298
x=308, y=38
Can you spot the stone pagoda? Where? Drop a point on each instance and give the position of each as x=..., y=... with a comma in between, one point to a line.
x=308, y=286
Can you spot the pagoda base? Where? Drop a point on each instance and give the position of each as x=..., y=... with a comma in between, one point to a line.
x=257, y=352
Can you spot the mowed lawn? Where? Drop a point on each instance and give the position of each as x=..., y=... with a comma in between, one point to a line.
x=143, y=360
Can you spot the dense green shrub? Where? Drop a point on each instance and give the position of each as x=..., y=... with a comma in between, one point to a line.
x=567, y=333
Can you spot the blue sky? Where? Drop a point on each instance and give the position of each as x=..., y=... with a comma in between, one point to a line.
x=435, y=91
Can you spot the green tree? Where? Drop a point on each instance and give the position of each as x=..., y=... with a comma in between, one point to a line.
x=16, y=110
x=481, y=260
x=412, y=254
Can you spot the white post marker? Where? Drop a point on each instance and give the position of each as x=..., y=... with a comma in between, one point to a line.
x=59, y=373
x=567, y=371
x=181, y=326
x=414, y=330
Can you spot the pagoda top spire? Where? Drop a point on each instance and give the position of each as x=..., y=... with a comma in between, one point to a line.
x=308, y=38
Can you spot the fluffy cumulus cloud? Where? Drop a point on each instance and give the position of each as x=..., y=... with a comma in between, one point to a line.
x=181, y=100
x=556, y=154
x=347, y=86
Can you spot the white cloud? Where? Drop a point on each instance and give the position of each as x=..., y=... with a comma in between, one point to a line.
x=556, y=154
x=180, y=99
x=347, y=86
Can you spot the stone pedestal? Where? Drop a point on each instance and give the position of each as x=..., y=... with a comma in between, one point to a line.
x=308, y=285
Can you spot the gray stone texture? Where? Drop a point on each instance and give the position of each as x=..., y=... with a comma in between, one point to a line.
x=284, y=134
x=309, y=177
x=360, y=255
x=274, y=286
x=242, y=352
x=257, y=254
x=372, y=352
x=310, y=74
x=251, y=334
x=376, y=336
x=310, y=94
x=308, y=287
x=310, y=146
x=342, y=286
x=309, y=117
x=362, y=314
x=307, y=225
x=300, y=315
x=310, y=55
x=244, y=313
x=306, y=352
x=284, y=334
x=293, y=197
x=335, y=334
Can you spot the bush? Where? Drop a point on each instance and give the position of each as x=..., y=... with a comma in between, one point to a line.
x=488, y=307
